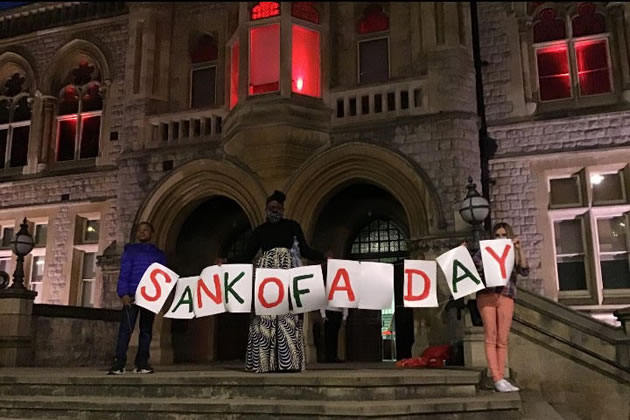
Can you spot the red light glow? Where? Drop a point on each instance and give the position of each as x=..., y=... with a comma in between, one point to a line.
x=265, y=9
x=234, y=75
x=305, y=62
x=264, y=59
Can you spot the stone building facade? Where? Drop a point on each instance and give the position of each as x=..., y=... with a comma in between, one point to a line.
x=189, y=114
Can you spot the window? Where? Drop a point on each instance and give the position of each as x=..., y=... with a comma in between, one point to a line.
x=305, y=62
x=381, y=240
x=234, y=60
x=264, y=59
x=5, y=265
x=41, y=235
x=7, y=236
x=572, y=53
x=373, y=48
x=36, y=279
x=265, y=9
x=203, y=72
x=86, y=248
x=590, y=230
x=79, y=114
x=15, y=123
x=88, y=277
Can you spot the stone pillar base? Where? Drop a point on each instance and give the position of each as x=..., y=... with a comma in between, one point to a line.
x=16, y=335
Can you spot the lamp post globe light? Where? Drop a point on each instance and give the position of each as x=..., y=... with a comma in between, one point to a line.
x=21, y=245
x=474, y=210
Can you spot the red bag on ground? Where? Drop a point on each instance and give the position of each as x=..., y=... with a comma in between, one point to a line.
x=434, y=356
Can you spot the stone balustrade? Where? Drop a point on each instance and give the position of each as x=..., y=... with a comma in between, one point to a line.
x=379, y=102
x=181, y=127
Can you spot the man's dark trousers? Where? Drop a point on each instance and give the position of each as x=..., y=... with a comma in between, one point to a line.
x=331, y=334
x=129, y=314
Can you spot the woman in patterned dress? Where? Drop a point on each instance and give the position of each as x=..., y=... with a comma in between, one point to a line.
x=276, y=342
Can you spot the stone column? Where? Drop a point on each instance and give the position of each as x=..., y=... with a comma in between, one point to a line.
x=16, y=331
x=109, y=264
x=47, y=146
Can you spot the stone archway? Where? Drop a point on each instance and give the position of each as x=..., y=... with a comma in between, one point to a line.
x=327, y=173
x=173, y=200
x=175, y=197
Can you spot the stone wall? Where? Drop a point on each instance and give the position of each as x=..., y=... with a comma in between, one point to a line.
x=445, y=147
x=71, y=336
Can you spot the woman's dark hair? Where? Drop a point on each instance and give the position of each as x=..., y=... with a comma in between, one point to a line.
x=278, y=196
x=506, y=226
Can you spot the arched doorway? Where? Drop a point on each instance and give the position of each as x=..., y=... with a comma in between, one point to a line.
x=365, y=222
x=210, y=230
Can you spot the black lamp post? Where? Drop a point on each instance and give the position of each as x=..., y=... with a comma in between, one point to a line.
x=21, y=245
x=474, y=210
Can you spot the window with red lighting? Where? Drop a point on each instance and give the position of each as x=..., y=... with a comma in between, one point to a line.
x=264, y=59
x=79, y=112
x=585, y=41
x=305, y=10
x=234, y=59
x=203, y=72
x=15, y=122
x=305, y=62
x=373, y=20
x=265, y=9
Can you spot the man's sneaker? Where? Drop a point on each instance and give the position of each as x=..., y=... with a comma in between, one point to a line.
x=503, y=386
x=116, y=371
x=145, y=369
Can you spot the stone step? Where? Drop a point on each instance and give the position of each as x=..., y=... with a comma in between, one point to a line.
x=331, y=386
x=485, y=405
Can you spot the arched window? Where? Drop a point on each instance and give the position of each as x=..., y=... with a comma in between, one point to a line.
x=373, y=46
x=15, y=122
x=80, y=107
x=236, y=248
x=577, y=56
x=265, y=9
x=381, y=240
x=305, y=10
x=203, y=74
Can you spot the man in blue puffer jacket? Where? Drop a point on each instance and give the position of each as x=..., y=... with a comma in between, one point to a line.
x=135, y=259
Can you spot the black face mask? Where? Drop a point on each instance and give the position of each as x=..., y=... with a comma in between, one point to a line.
x=274, y=216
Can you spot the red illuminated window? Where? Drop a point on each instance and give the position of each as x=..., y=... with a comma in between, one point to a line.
x=304, y=10
x=591, y=72
x=593, y=68
x=373, y=20
x=234, y=58
x=265, y=9
x=79, y=116
x=264, y=59
x=553, y=73
x=15, y=122
x=305, y=70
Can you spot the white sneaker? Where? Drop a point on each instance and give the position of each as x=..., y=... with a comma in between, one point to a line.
x=503, y=386
x=513, y=387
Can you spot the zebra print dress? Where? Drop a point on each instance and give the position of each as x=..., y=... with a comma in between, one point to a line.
x=275, y=342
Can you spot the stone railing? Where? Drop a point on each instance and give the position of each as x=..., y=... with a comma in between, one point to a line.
x=378, y=102
x=185, y=126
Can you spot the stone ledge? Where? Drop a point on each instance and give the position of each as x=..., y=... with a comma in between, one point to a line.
x=62, y=311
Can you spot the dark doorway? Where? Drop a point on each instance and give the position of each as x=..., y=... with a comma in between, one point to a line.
x=205, y=233
x=365, y=223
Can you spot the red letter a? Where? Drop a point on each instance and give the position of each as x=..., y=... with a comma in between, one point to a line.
x=427, y=285
x=347, y=285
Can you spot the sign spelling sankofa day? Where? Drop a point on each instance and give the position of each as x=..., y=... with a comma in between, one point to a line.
x=349, y=284
x=497, y=256
x=420, y=284
x=460, y=272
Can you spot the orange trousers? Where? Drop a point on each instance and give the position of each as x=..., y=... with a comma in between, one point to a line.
x=496, y=311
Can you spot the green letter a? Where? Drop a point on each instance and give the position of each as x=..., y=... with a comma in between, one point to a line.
x=467, y=273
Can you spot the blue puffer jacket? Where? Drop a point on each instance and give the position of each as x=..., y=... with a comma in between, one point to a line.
x=135, y=260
